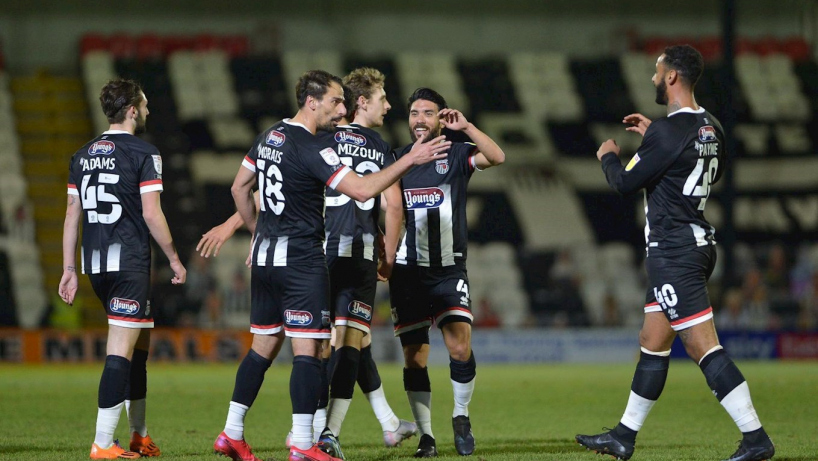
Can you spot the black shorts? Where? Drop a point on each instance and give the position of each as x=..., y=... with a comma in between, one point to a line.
x=424, y=295
x=291, y=298
x=678, y=285
x=352, y=291
x=125, y=297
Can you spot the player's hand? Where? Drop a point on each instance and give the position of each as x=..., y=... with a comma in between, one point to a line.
x=249, y=261
x=68, y=286
x=453, y=119
x=179, y=273
x=607, y=147
x=424, y=152
x=384, y=270
x=639, y=123
x=213, y=240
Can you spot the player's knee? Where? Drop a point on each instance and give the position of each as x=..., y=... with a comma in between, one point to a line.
x=463, y=371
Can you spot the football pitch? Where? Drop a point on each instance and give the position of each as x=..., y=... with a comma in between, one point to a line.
x=519, y=412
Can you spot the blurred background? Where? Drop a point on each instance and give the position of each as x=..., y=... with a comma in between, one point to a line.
x=555, y=257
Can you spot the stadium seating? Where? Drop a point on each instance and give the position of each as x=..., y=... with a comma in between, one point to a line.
x=209, y=97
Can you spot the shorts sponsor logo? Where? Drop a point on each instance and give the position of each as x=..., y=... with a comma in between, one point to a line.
x=298, y=318
x=362, y=310
x=350, y=138
x=124, y=306
x=102, y=148
x=429, y=197
x=330, y=157
x=707, y=134
x=276, y=138
x=442, y=166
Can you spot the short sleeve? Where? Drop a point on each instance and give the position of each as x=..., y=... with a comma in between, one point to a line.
x=72, y=182
x=150, y=173
x=324, y=163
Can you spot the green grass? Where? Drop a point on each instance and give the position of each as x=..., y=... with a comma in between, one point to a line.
x=518, y=412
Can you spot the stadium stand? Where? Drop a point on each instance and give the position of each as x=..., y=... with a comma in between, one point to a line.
x=540, y=221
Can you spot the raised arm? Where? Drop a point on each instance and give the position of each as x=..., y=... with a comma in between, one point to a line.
x=363, y=188
x=212, y=241
x=488, y=153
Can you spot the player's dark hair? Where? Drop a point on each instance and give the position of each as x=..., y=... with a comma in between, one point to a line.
x=349, y=102
x=685, y=60
x=314, y=83
x=361, y=82
x=427, y=94
x=117, y=96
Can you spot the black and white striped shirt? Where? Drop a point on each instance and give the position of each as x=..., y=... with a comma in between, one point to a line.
x=351, y=226
x=434, y=201
x=109, y=174
x=293, y=167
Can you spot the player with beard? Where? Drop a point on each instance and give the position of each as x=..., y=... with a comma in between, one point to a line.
x=429, y=282
x=680, y=157
x=352, y=248
x=114, y=184
x=289, y=281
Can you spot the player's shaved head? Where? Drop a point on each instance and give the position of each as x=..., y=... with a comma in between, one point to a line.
x=314, y=83
x=117, y=96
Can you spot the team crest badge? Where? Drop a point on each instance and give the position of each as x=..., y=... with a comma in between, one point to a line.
x=157, y=163
x=442, y=166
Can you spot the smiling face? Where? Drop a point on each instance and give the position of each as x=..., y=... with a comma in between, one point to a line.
x=424, y=121
x=330, y=109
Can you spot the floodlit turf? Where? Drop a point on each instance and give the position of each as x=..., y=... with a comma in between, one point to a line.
x=518, y=412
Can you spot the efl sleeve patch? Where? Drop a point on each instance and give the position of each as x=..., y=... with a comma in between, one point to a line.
x=633, y=162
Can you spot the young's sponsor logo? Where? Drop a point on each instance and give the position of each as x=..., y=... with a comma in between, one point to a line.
x=102, y=148
x=347, y=137
x=707, y=134
x=428, y=197
x=297, y=317
x=124, y=306
x=276, y=138
x=362, y=310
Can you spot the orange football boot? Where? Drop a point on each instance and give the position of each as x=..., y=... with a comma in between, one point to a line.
x=115, y=451
x=144, y=445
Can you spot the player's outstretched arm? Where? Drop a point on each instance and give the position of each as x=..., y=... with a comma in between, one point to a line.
x=70, y=235
x=363, y=188
x=213, y=240
x=158, y=225
x=394, y=224
x=489, y=153
x=639, y=123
